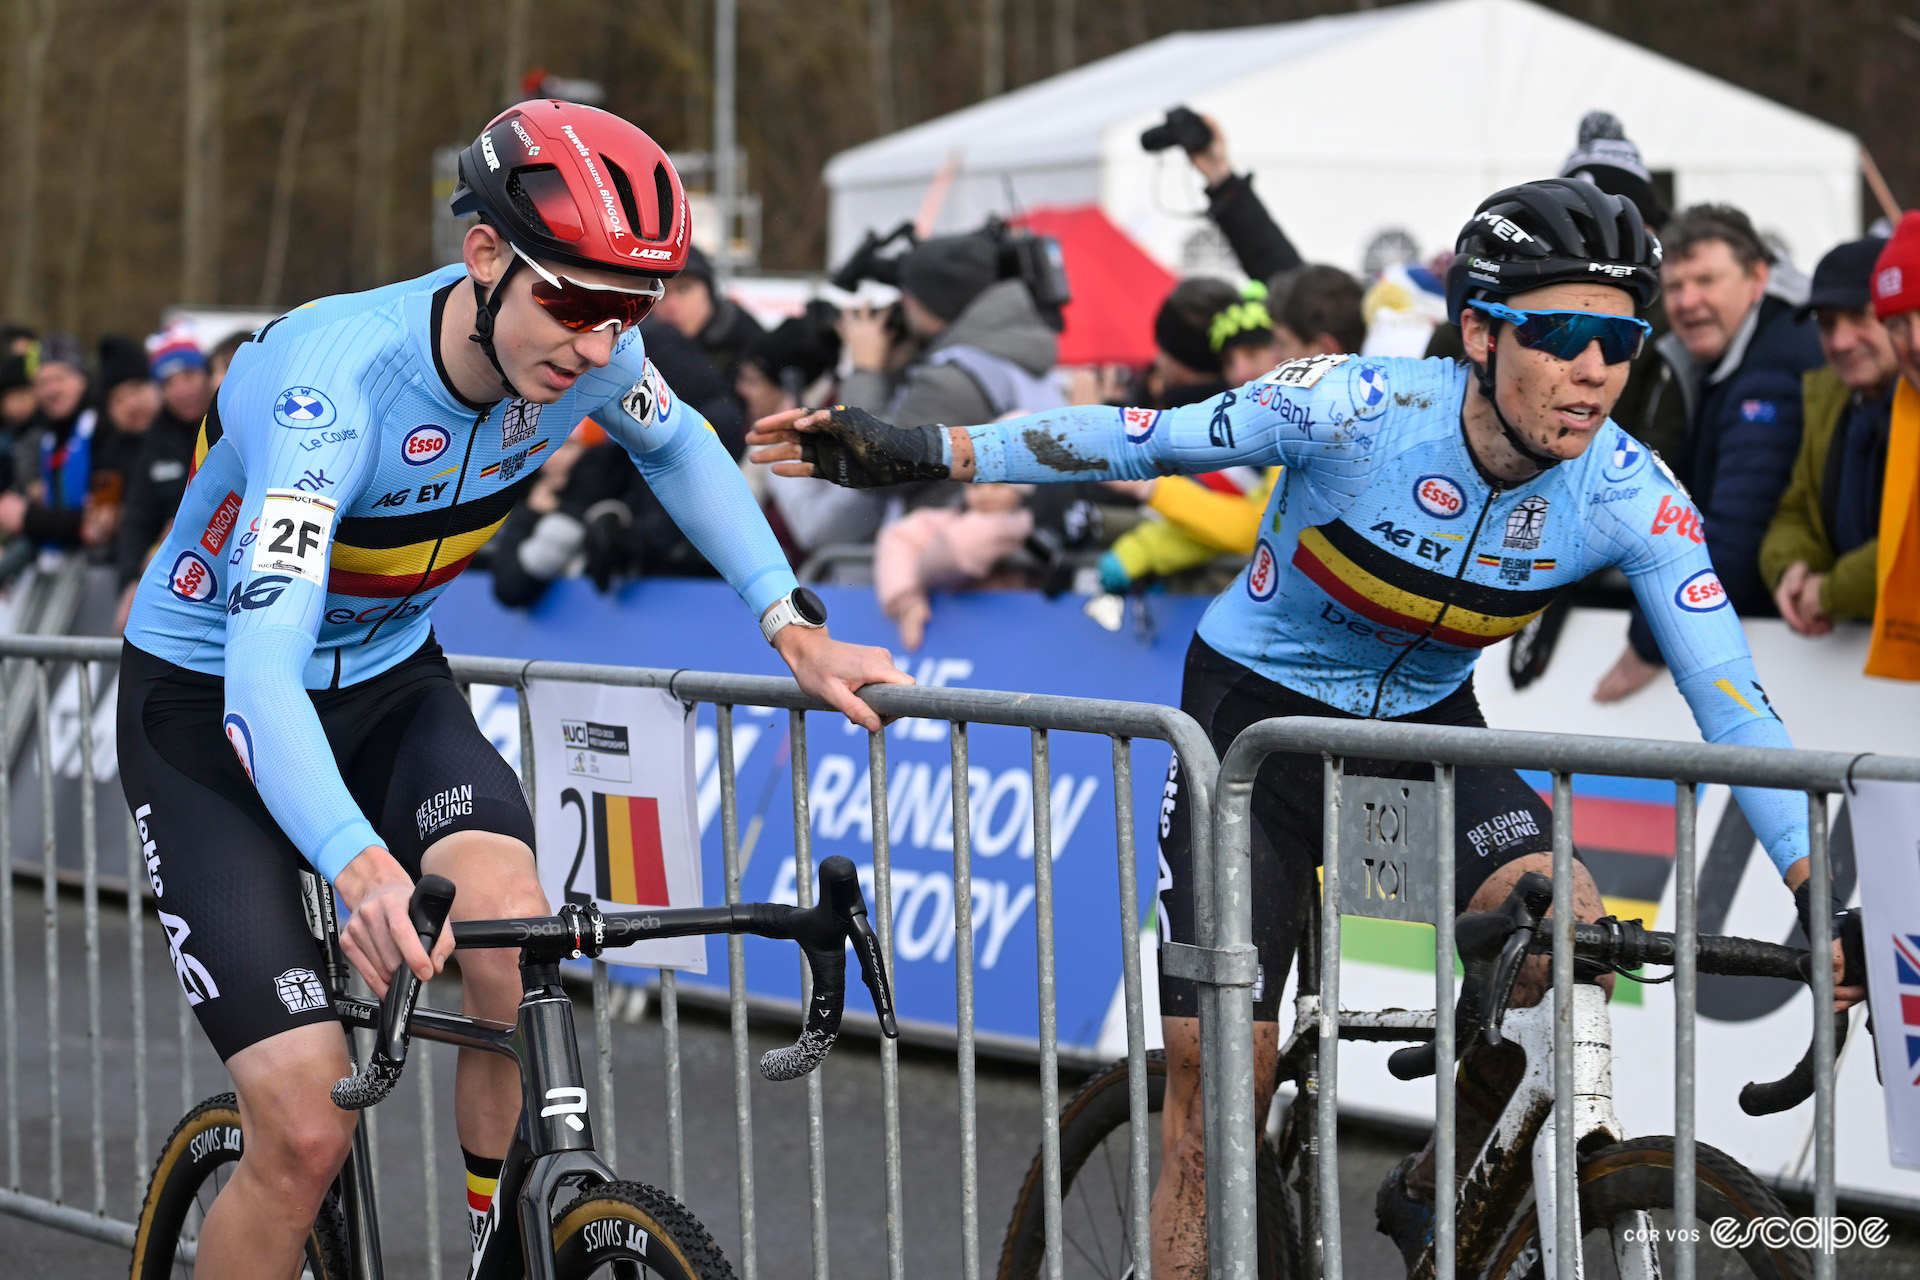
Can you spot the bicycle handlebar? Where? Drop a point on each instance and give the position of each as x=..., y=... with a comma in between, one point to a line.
x=1494, y=943
x=427, y=912
x=580, y=930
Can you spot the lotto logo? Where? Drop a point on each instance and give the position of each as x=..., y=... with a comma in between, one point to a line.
x=1702, y=593
x=1440, y=496
x=423, y=444
x=1675, y=518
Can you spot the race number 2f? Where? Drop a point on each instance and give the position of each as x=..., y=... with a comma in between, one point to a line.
x=294, y=528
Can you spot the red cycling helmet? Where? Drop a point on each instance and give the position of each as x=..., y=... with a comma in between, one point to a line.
x=579, y=186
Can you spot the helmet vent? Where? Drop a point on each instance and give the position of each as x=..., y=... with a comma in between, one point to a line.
x=625, y=190
x=522, y=200
x=663, y=191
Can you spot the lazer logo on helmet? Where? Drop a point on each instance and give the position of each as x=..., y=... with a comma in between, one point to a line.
x=651, y=255
x=1702, y=593
x=1503, y=227
x=486, y=149
x=424, y=443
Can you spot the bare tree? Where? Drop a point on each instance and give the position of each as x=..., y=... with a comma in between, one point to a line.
x=380, y=49
x=32, y=38
x=202, y=179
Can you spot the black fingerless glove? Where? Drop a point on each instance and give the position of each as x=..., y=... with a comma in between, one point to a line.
x=858, y=451
x=1845, y=929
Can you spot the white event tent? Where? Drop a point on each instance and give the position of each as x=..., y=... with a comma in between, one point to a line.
x=1397, y=118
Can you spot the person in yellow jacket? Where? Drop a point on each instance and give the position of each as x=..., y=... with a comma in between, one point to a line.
x=1896, y=621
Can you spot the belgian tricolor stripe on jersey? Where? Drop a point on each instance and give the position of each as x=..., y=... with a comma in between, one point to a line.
x=629, y=865
x=1379, y=585
x=386, y=557
x=210, y=433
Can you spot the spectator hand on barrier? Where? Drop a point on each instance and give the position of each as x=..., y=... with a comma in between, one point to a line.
x=1798, y=598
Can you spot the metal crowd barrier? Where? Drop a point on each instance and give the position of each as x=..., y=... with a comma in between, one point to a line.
x=108, y=1217
x=1817, y=773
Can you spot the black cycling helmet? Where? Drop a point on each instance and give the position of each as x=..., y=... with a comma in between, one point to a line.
x=1552, y=231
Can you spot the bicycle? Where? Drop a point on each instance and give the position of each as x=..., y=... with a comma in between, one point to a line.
x=621, y=1226
x=1622, y=1182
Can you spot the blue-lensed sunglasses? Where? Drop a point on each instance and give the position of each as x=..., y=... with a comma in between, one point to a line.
x=1565, y=334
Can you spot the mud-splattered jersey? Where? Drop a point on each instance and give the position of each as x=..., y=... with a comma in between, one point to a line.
x=341, y=483
x=1386, y=560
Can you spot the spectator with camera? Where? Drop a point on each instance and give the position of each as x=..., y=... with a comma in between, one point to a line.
x=1734, y=361
x=1819, y=555
x=1259, y=245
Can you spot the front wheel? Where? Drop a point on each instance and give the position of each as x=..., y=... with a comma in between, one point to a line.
x=1626, y=1215
x=195, y=1162
x=626, y=1229
x=1095, y=1194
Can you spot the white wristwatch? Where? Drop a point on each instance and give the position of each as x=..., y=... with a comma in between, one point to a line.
x=798, y=608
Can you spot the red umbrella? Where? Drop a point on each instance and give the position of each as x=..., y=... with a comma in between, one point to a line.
x=1116, y=287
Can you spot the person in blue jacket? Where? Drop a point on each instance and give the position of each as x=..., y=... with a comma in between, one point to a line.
x=283, y=704
x=1429, y=508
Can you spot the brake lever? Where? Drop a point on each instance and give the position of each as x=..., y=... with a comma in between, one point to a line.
x=427, y=911
x=840, y=885
x=1498, y=992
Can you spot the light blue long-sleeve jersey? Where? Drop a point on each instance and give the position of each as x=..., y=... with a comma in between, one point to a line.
x=1387, y=561
x=341, y=483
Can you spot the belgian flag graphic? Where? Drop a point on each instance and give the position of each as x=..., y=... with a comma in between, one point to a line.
x=628, y=865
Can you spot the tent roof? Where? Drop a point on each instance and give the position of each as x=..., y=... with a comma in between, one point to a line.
x=1065, y=119
x=1061, y=118
x=1117, y=288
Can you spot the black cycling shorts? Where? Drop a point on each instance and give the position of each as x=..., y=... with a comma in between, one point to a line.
x=1497, y=818
x=226, y=877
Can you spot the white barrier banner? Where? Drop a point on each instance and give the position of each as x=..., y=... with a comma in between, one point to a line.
x=1886, y=845
x=614, y=808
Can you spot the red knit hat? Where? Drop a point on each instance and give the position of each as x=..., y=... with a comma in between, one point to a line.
x=1896, y=272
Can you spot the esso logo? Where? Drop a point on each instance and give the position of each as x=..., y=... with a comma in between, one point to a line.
x=1702, y=593
x=1263, y=575
x=1440, y=497
x=1139, y=424
x=423, y=444
x=191, y=579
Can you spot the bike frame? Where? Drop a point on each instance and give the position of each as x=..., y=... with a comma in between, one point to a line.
x=1493, y=1192
x=553, y=1144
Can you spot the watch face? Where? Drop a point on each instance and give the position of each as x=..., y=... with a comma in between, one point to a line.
x=809, y=607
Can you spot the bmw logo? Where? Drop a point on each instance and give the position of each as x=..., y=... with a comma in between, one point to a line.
x=1368, y=391
x=1628, y=456
x=303, y=409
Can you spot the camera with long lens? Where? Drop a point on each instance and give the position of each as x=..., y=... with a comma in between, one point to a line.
x=1033, y=259
x=1182, y=128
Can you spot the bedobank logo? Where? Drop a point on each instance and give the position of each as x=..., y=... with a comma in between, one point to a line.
x=424, y=443
x=303, y=409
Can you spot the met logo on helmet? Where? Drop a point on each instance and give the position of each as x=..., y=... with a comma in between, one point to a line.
x=424, y=443
x=1502, y=227
x=1614, y=269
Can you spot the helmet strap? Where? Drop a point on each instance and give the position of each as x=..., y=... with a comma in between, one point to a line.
x=487, y=310
x=1484, y=375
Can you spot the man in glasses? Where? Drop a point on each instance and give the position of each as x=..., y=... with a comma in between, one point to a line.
x=1428, y=509
x=283, y=703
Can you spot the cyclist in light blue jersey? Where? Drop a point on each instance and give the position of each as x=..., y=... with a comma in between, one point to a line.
x=1428, y=509
x=283, y=702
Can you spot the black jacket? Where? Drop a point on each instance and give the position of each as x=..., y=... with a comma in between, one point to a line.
x=156, y=481
x=1255, y=238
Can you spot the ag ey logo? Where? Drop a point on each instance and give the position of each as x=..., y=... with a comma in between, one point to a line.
x=1139, y=424
x=1440, y=497
x=242, y=739
x=424, y=443
x=1626, y=459
x=1263, y=575
x=257, y=594
x=303, y=409
x=191, y=579
x=1673, y=517
x=1368, y=391
x=1702, y=593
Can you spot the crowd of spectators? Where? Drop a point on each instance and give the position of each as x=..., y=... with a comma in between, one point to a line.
x=1777, y=399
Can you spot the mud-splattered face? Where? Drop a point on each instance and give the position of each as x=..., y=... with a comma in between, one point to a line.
x=1558, y=405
